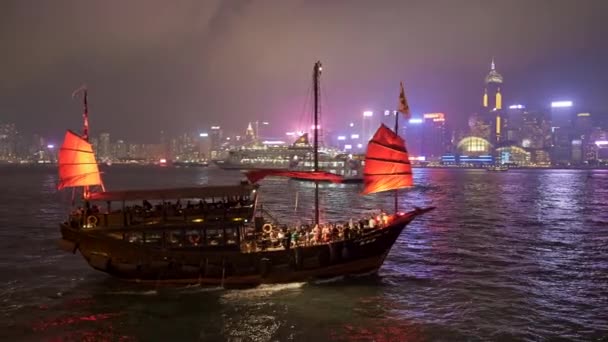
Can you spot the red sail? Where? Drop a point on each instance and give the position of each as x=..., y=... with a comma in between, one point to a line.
x=387, y=164
x=257, y=175
x=77, y=164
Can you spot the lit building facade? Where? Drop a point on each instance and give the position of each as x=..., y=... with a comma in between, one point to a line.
x=470, y=151
x=104, y=149
x=8, y=142
x=562, y=116
x=492, y=105
x=215, y=136
x=434, y=136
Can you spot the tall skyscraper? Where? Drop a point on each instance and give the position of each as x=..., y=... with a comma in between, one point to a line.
x=562, y=116
x=249, y=134
x=8, y=140
x=104, y=146
x=493, y=115
x=216, y=141
x=492, y=98
x=434, y=136
x=368, y=126
x=515, y=118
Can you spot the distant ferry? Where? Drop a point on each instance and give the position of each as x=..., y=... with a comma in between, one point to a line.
x=498, y=168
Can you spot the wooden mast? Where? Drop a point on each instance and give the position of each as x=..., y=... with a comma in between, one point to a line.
x=396, y=190
x=316, y=76
x=85, y=123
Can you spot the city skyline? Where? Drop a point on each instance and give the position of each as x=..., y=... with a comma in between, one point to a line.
x=190, y=62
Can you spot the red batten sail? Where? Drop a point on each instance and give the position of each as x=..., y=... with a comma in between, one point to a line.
x=77, y=164
x=257, y=175
x=387, y=164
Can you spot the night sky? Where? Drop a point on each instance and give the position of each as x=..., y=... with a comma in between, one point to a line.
x=183, y=65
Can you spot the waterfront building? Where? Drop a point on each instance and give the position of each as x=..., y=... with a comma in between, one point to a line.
x=413, y=131
x=120, y=150
x=492, y=108
x=513, y=155
x=215, y=136
x=514, y=129
x=434, y=136
x=249, y=134
x=104, y=147
x=471, y=151
x=562, y=116
x=8, y=142
x=535, y=130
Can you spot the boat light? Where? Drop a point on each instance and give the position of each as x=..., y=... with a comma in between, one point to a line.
x=601, y=143
x=561, y=104
x=198, y=220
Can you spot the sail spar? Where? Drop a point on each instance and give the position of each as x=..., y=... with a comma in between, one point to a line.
x=387, y=164
x=77, y=164
x=255, y=176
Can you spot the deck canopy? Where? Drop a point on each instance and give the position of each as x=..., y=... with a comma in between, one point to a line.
x=175, y=193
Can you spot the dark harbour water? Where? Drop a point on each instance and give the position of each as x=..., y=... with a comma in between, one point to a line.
x=519, y=255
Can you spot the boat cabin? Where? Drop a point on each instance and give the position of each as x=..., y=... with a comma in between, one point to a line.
x=170, y=218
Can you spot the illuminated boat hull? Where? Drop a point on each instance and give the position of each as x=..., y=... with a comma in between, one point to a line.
x=231, y=266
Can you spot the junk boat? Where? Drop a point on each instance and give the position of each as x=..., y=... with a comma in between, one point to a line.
x=219, y=235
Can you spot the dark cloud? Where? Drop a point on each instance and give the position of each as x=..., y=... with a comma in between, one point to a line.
x=188, y=64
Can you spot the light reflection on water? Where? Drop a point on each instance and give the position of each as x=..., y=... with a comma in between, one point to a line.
x=515, y=255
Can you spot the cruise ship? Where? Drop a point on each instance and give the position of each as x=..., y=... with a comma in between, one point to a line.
x=266, y=155
x=295, y=157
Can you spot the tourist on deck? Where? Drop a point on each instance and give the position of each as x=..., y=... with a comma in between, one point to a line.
x=384, y=217
x=372, y=223
x=346, y=232
x=147, y=205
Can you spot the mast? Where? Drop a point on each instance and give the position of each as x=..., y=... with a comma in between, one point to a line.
x=396, y=190
x=85, y=124
x=85, y=117
x=315, y=78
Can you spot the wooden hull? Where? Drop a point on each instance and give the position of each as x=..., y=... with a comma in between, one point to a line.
x=233, y=267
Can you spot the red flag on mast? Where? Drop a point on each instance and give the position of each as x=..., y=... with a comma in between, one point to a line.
x=85, y=112
x=404, y=107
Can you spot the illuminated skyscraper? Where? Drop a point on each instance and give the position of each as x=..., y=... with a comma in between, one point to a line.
x=434, y=136
x=8, y=139
x=216, y=141
x=562, y=116
x=104, y=149
x=492, y=98
x=515, y=116
x=493, y=116
x=249, y=134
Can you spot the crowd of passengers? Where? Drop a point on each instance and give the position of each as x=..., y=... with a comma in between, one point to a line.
x=307, y=235
x=147, y=209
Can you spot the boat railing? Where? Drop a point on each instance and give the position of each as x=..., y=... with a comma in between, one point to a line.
x=278, y=237
x=133, y=216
